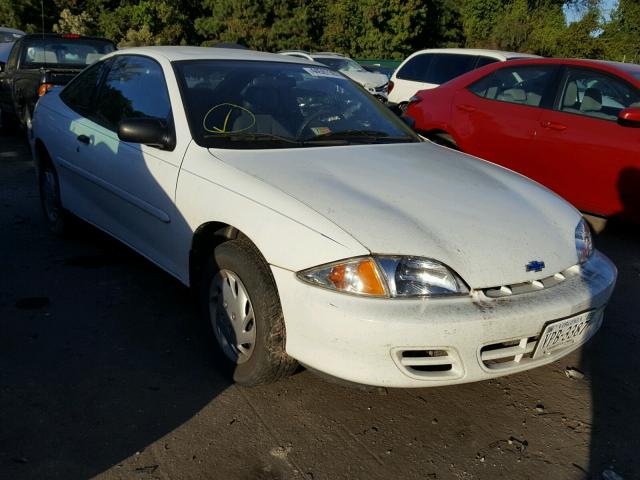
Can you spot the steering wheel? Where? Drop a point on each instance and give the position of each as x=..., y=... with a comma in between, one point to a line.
x=314, y=116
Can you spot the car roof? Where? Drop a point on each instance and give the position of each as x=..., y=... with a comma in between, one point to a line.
x=177, y=53
x=11, y=30
x=499, y=54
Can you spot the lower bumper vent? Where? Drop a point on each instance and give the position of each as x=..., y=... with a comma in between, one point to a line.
x=498, y=356
x=428, y=364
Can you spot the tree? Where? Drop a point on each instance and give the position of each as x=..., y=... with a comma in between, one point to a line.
x=80, y=24
x=375, y=28
x=27, y=15
x=620, y=35
x=269, y=25
x=146, y=22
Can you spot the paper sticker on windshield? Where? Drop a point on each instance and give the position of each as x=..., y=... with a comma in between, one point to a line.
x=323, y=72
x=320, y=130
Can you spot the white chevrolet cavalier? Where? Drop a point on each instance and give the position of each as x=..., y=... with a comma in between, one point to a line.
x=315, y=225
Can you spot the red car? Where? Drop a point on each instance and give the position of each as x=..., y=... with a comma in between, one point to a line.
x=572, y=125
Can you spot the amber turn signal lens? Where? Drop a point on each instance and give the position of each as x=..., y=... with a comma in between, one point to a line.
x=44, y=88
x=360, y=277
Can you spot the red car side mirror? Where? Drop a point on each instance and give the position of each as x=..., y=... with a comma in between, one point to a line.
x=629, y=117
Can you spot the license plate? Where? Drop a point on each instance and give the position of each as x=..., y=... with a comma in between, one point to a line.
x=566, y=332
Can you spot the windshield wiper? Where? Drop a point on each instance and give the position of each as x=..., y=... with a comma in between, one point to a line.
x=253, y=137
x=262, y=137
x=372, y=136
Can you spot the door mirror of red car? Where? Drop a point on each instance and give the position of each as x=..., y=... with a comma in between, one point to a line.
x=629, y=117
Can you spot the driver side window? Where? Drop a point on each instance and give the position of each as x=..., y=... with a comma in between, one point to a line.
x=134, y=87
x=597, y=95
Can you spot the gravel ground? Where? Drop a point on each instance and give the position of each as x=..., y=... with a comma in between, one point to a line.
x=106, y=371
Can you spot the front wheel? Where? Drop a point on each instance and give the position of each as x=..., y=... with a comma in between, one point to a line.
x=241, y=304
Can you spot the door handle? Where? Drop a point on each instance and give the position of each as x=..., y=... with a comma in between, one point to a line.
x=83, y=139
x=466, y=108
x=553, y=126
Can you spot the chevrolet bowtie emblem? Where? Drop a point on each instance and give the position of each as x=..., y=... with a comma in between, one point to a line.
x=534, y=266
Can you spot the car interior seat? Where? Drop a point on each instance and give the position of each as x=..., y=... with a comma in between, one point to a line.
x=513, y=95
x=570, y=101
x=262, y=98
x=592, y=104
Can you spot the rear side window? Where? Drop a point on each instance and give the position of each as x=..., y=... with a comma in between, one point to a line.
x=594, y=94
x=416, y=69
x=80, y=93
x=449, y=66
x=12, y=61
x=134, y=87
x=72, y=52
x=525, y=85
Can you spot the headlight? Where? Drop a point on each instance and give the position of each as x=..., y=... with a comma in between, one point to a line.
x=387, y=276
x=584, y=243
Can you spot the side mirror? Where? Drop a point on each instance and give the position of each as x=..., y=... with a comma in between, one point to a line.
x=148, y=131
x=629, y=117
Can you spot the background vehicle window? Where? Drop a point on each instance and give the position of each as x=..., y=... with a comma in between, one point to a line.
x=134, y=87
x=448, y=66
x=341, y=64
x=39, y=52
x=597, y=95
x=416, y=69
x=80, y=93
x=12, y=62
x=525, y=85
x=482, y=61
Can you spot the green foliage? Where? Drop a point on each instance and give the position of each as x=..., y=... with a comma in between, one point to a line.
x=370, y=28
x=267, y=25
x=360, y=28
x=622, y=34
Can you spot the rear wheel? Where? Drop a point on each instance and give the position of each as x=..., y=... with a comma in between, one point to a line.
x=26, y=118
x=241, y=303
x=55, y=215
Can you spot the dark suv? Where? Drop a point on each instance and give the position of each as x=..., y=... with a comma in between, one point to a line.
x=36, y=63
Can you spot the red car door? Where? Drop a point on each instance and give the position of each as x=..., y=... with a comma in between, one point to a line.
x=497, y=117
x=583, y=153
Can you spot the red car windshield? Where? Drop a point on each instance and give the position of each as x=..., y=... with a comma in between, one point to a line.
x=63, y=52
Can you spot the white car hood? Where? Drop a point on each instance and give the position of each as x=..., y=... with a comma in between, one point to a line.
x=367, y=79
x=484, y=221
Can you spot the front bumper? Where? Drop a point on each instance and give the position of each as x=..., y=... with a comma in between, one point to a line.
x=431, y=342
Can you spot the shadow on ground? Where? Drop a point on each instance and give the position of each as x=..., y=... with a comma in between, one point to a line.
x=612, y=363
x=101, y=354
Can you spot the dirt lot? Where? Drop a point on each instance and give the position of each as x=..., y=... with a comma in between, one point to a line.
x=105, y=370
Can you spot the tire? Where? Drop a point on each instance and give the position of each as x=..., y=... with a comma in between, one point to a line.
x=25, y=121
x=55, y=215
x=240, y=301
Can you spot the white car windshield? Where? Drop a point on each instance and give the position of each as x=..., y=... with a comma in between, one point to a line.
x=249, y=104
x=342, y=64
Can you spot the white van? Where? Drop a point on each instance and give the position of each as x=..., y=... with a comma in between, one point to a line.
x=429, y=68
